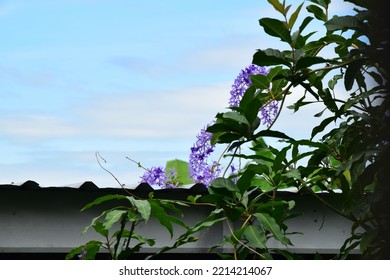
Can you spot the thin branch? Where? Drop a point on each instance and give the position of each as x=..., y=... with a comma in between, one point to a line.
x=137, y=163
x=98, y=156
x=280, y=107
x=239, y=241
x=331, y=207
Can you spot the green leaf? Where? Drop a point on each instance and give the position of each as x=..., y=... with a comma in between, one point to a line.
x=143, y=207
x=307, y=61
x=332, y=82
x=270, y=224
x=223, y=183
x=259, y=81
x=162, y=216
x=287, y=8
x=343, y=23
x=293, y=173
x=270, y=57
x=307, y=142
x=323, y=3
x=277, y=86
x=119, y=234
x=193, y=199
x=112, y=217
x=104, y=199
x=351, y=73
x=235, y=116
x=277, y=5
x=143, y=240
x=91, y=248
x=366, y=241
x=276, y=28
x=94, y=221
x=256, y=237
x=294, y=16
x=322, y=126
x=263, y=184
x=205, y=224
x=99, y=228
x=327, y=97
x=312, y=48
x=171, y=205
x=272, y=133
x=317, y=12
x=187, y=237
x=244, y=182
x=225, y=137
x=291, y=204
x=181, y=168
x=304, y=24
x=280, y=157
x=309, y=88
x=275, y=72
x=228, y=126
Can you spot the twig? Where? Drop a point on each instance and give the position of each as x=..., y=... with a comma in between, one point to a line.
x=97, y=154
x=239, y=241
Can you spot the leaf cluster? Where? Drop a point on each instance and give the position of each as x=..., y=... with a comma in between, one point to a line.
x=344, y=70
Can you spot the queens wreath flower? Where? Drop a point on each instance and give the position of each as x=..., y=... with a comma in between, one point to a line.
x=242, y=83
x=200, y=169
x=158, y=176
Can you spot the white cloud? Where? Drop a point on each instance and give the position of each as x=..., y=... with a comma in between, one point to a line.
x=25, y=126
x=156, y=114
x=26, y=78
x=147, y=114
x=233, y=56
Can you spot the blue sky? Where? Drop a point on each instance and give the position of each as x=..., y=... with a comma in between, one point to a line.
x=134, y=79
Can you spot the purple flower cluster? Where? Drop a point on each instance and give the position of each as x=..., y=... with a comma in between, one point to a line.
x=201, y=171
x=200, y=168
x=269, y=112
x=243, y=82
x=157, y=176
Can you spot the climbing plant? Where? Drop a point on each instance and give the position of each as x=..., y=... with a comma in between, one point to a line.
x=335, y=63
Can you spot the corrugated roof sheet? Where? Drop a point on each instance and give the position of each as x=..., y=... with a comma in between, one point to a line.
x=89, y=185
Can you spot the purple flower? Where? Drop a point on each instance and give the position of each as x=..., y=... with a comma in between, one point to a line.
x=268, y=113
x=158, y=176
x=154, y=176
x=233, y=173
x=201, y=171
x=172, y=181
x=242, y=83
x=83, y=254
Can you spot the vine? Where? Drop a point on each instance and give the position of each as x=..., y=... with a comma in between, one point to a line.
x=348, y=160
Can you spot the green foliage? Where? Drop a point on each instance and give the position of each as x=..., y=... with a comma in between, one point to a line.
x=345, y=72
x=117, y=226
x=347, y=157
x=181, y=168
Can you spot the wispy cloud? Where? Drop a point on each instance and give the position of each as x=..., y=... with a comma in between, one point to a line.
x=156, y=114
x=232, y=53
x=138, y=65
x=146, y=114
x=23, y=77
x=26, y=126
